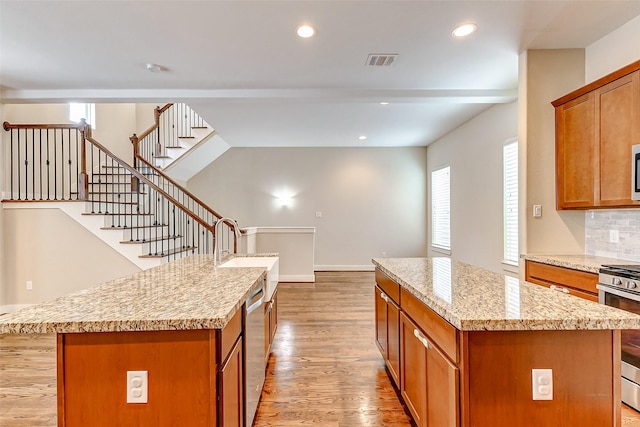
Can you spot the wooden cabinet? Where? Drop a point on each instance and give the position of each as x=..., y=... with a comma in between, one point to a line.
x=270, y=323
x=388, y=327
x=232, y=388
x=574, y=282
x=595, y=128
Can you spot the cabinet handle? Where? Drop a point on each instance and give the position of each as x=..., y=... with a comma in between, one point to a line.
x=422, y=339
x=559, y=289
x=384, y=297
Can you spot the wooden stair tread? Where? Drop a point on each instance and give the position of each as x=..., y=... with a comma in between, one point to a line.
x=170, y=252
x=157, y=239
x=161, y=157
x=140, y=227
x=187, y=137
x=198, y=127
x=111, y=202
x=174, y=146
x=118, y=214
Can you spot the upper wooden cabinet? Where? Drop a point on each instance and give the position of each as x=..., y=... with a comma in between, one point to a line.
x=595, y=128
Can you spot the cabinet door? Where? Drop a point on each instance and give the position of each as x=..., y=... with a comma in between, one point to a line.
x=619, y=121
x=381, y=321
x=413, y=370
x=231, y=410
x=576, y=159
x=442, y=390
x=393, y=341
x=274, y=315
x=267, y=330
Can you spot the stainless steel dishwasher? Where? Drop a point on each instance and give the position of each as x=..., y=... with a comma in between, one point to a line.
x=255, y=353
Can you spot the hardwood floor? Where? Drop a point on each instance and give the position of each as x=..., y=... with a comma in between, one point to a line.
x=325, y=369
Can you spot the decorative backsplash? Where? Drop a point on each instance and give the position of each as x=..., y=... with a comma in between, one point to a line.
x=598, y=226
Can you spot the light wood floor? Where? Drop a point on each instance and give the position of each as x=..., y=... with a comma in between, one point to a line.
x=325, y=369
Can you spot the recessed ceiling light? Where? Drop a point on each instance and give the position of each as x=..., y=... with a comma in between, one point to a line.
x=305, y=31
x=384, y=103
x=362, y=137
x=464, y=30
x=154, y=68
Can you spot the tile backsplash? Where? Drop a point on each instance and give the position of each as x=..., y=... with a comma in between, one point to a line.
x=598, y=226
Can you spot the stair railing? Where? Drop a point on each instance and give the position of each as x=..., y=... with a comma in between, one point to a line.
x=55, y=163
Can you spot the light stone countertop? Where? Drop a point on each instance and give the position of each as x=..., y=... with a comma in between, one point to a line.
x=185, y=294
x=475, y=299
x=588, y=263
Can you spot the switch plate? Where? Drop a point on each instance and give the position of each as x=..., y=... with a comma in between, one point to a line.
x=542, y=383
x=137, y=387
x=318, y=214
x=537, y=211
x=29, y=285
x=613, y=236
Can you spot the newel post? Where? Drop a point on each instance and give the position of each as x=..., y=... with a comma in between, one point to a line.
x=134, y=180
x=83, y=177
x=158, y=145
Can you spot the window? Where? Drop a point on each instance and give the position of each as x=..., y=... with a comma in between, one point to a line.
x=440, y=203
x=79, y=111
x=510, y=189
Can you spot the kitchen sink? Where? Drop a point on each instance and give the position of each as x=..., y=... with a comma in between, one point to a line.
x=272, y=264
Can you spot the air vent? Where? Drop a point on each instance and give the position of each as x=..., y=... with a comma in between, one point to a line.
x=381, y=59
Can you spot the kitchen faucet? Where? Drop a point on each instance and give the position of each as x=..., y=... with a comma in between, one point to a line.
x=236, y=235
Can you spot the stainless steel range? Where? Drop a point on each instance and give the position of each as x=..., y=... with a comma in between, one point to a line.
x=620, y=287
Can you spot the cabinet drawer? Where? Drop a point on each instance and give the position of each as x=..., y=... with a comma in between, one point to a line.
x=389, y=287
x=440, y=332
x=564, y=277
x=230, y=334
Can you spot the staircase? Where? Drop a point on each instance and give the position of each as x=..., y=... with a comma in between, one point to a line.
x=140, y=211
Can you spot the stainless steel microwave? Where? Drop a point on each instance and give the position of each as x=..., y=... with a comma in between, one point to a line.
x=635, y=172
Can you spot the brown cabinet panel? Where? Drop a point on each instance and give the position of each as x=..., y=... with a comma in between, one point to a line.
x=578, y=283
x=439, y=330
x=231, y=410
x=388, y=332
x=389, y=287
x=413, y=371
x=595, y=129
x=619, y=123
x=575, y=152
x=442, y=390
x=381, y=322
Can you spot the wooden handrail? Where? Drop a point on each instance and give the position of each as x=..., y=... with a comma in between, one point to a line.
x=157, y=112
x=8, y=126
x=142, y=178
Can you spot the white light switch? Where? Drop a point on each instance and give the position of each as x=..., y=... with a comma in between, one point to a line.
x=137, y=387
x=318, y=214
x=537, y=211
x=542, y=382
x=613, y=236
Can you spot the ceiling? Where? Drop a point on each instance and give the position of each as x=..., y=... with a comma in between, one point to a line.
x=241, y=66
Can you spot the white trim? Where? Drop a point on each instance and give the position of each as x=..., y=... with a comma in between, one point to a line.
x=366, y=267
x=510, y=266
x=12, y=308
x=441, y=250
x=280, y=230
x=297, y=278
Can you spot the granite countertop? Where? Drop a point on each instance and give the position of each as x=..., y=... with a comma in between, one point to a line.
x=475, y=299
x=185, y=294
x=588, y=263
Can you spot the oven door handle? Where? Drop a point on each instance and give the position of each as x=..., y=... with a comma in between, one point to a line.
x=618, y=292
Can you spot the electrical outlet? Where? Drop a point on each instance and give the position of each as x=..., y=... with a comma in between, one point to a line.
x=318, y=214
x=613, y=236
x=29, y=285
x=542, y=383
x=384, y=254
x=137, y=387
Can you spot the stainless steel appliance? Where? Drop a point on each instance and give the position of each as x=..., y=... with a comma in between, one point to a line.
x=255, y=353
x=619, y=286
x=635, y=172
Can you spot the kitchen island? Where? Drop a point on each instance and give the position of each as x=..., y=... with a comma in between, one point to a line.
x=469, y=347
x=181, y=323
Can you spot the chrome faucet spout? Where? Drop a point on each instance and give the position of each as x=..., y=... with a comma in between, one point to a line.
x=236, y=236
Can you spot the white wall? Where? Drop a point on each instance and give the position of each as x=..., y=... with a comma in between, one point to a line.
x=546, y=75
x=615, y=50
x=474, y=153
x=3, y=154
x=372, y=200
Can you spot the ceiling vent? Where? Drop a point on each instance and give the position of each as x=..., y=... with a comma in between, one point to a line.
x=381, y=59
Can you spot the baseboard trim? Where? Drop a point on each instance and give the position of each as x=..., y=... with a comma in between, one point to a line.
x=297, y=278
x=12, y=308
x=366, y=267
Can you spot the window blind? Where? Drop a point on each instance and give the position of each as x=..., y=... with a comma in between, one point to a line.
x=510, y=188
x=440, y=208
x=79, y=111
